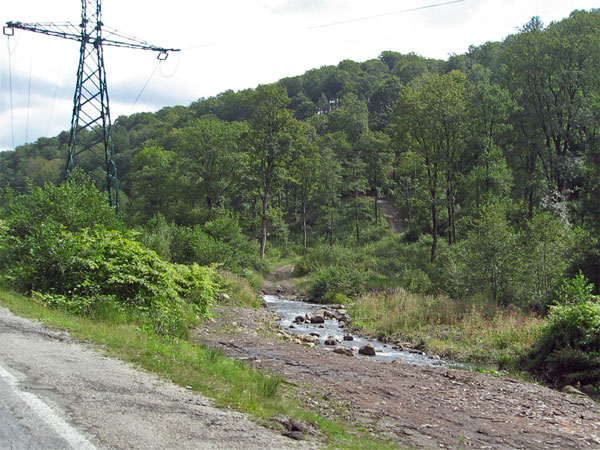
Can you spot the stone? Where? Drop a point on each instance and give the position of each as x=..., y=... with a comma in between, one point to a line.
x=348, y=337
x=589, y=390
x=330, y=341
x=571, y=390
x=296, y=435
x=308, y=317
x=224, y=296
x=341, y=350
x=329, y=315
x=299, y=319
x=291, y=326
x=367, y=350
x=398, y=361
x=317, y=319
x=315, y=334
x=355, y=348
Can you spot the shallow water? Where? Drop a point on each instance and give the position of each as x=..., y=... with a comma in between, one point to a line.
x=288, y=310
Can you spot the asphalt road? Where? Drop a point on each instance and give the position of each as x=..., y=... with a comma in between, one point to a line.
x=57, y=393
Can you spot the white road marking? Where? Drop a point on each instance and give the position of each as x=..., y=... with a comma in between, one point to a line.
x=44, y=412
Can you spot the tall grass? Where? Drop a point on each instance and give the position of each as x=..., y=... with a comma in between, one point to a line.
x=474, y=331
x=240, y=290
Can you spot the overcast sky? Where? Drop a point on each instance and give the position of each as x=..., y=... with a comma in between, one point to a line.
x=231, y=44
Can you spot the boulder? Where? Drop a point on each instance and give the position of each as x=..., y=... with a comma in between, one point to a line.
x=317, y=319
x=341, y=350
x=299, y=319
x=571, y=390
x=589, y=389
x=348, y=337
x=331, y=341
x=329, y=315
x=367, y=350
x=308, y=317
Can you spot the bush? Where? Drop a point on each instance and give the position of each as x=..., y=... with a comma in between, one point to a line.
x=567, y=350
x=337, y=280
x=219, y=241
x=74, y=271
x=55, y=241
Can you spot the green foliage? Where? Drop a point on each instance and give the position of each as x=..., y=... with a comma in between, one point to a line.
x=73, y=261
x=77, y=270
x=567, y=350
x=493, y=154
x=75, y=204
x=240, y=290
x=219, y=241
x=334, y=280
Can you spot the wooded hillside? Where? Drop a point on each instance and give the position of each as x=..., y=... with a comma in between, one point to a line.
x=491, y=158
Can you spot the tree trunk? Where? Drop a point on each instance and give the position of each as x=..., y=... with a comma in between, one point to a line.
x=376, y=213
x=434, y=232
x=304, y=221
x=263, y=237
x=356, y=216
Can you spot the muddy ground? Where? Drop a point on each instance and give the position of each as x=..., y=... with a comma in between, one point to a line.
x=420, y=407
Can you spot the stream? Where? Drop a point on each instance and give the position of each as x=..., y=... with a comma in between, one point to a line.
x=288, y=310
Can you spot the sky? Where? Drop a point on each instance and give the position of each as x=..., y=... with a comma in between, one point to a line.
x=230, y=44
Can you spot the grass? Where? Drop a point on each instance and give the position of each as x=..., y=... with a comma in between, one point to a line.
x=452, y=329
x=240, y=290
x=229, y=382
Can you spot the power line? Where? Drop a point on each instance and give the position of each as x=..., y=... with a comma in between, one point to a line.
x=360, y=19
x=144, y=87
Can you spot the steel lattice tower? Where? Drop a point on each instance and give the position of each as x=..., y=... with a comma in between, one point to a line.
x=91, y=124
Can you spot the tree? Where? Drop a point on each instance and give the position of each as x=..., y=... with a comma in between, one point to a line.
x=153, y=183
x=211, y=158
x=431, y=119
x=352, y=117
x=488, y=174
x=305, y=170
x=377, y=155
x=555, y=70
x=271, y=140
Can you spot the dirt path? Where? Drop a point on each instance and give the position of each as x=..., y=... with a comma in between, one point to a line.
x=416, y=406
x=391, y=215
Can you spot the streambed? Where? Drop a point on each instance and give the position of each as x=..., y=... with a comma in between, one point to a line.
x=289, y=309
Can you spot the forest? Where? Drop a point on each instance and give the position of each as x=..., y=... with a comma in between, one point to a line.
x=473, y=180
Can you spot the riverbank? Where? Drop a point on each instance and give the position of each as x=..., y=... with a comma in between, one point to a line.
x=414, y=406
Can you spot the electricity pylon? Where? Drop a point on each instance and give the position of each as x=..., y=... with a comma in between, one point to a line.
x=91, y=103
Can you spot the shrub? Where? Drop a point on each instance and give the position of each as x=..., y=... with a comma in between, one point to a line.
x=219, y=241
x=75, y=270
x=337, y=280
x=55, y=241
x=567, y=350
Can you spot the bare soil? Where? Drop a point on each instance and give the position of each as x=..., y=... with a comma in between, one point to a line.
x=422, y=407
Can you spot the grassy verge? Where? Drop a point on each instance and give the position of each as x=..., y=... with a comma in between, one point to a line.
x=229, y=382
x=456, y=330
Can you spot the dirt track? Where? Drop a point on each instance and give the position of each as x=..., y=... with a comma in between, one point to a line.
x=416, y=406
